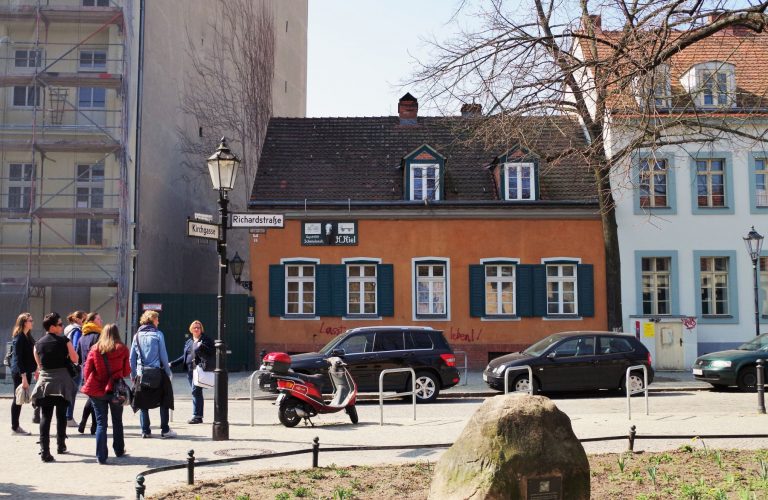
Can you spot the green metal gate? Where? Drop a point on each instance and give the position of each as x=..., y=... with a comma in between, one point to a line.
x=180, y=309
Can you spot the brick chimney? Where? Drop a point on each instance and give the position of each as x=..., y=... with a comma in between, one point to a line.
x=408, y=109
x=471, y=110
x=597, y=20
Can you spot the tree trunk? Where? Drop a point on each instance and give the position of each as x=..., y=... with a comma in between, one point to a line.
x=611, y=247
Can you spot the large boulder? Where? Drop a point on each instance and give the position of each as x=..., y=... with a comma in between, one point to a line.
x=512, y=444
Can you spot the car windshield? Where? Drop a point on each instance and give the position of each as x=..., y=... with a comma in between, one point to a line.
x=758, y=344
x=542, y=345
x=330, y=345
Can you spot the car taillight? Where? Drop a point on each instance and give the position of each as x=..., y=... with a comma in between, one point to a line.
x=649, y=359
x=449, y=359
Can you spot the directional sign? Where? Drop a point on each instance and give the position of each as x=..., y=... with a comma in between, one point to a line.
x=257, y=220
x=197, y=229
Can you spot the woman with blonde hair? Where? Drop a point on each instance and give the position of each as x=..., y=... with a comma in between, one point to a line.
x=107, y=362
x=91, y=332
x=23, y=365
x=198, y=351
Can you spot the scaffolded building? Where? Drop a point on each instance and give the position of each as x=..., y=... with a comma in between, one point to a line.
x=64, y=168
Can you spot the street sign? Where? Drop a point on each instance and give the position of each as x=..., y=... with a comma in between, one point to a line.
x=203, y=217
x=257, y=220
x=197, y=229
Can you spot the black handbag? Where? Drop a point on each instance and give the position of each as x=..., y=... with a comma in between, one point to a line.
x=151, y=377
x=73, y=368
x=121, y=392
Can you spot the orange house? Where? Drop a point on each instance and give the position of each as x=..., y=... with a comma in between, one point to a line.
x=402, y=221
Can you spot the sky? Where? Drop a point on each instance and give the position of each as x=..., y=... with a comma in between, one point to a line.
x=360, y=52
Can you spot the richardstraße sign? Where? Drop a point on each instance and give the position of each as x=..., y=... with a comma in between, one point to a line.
x=257, y=220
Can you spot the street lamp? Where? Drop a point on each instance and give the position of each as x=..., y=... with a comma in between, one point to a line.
x=754, y=242
x=222, y=165
x=236, y=265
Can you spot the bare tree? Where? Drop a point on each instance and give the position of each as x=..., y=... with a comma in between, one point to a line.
x=229, y=87
x=604, y=63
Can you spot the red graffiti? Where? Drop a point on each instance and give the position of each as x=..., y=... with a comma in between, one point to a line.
x=332, y=330
x=471, y=336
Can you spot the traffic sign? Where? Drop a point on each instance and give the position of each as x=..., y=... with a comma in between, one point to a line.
x=197, y=229
x=257, y=220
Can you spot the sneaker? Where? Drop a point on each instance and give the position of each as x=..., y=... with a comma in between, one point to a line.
x=146, y=435
x=169, y=434
x=18, y=431
x=120, y=453
x=71, y=423
x=195, y=420
x=36, y=419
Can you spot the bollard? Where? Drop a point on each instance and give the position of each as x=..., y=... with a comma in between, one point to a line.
x=632, y=434
x=191, y=467
x=315, y=451
x=140, y=488
x=760, y=383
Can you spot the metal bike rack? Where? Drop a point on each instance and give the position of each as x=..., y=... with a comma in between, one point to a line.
x=516, y=368
x=644, y=389
x=250, y=388
x=464, y=367
x=382, y=397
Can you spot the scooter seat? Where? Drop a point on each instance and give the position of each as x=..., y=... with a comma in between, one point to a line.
x=316, y=379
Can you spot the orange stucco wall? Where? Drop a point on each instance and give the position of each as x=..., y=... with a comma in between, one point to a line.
x=464, y=242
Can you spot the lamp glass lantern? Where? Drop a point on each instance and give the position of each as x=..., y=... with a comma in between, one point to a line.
x=236, y=267
x=222, y=166
x=754, y=243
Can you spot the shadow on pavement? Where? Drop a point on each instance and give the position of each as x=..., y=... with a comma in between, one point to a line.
x=17, y=491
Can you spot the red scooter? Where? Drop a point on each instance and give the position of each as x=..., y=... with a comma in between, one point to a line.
x=300, y=395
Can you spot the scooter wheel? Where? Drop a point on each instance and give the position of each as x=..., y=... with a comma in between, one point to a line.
x=352, y=412
x=287, y=413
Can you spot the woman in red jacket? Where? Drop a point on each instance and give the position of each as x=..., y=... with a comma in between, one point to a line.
x=107, y=361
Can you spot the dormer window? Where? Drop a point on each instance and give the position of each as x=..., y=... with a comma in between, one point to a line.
x=714, y=91
x=424, y=174
x=712, y=84
x=655, y=88
x=520, y=181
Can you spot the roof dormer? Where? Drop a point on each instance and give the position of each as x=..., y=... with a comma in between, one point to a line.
x=424, y=171
x=518, y=175
x=654, y=88
x=711, y=84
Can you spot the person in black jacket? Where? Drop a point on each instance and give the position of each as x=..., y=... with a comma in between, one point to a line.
x=23, y=365
x=198, y=351
x=91, y=330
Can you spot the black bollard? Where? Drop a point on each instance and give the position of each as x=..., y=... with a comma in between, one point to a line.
x=140, y=488
x=632, y=434
x=191, y=467
x=760, y=383
x=315, y=451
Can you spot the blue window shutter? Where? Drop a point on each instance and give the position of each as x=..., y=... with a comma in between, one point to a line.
x=539, y=290
x=276, y=290
x=338, y=290
x=586, y=289
x=524, y=290
x=537, y=193
x=385, y=289
x=323, y=290
x=477, y=290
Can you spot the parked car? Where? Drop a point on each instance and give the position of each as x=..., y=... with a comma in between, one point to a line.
x=734, y=366
x=572, y=361
x=369, y=350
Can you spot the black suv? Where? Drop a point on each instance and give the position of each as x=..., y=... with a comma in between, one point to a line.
x=369, y=350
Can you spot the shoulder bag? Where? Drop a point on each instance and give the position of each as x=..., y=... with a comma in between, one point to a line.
x=151, y=377
x=121, y=393
x=8, y=353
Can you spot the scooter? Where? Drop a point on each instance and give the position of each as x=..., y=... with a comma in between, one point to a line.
x=300, y=395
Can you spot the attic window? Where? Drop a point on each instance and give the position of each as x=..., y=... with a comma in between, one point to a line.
x=425, y=181
x=713, y=84
x=519, y=181
x=655, y=88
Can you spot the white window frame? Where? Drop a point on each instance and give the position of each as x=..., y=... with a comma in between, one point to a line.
x=560, y=280
x=706, y=75
x=362, y=280
x=708, y=174
x=93, y=66
x=24, y=184
x=654, y=276
x=301, y=280
x=712, y=289
x=37, y=62
x=86, y=196
x=29, y=89
x=761, y=195
x=446, y=279
x=498, y=279
x=90, y=103
x=423, y=169
x=95, y=3
x=649, y=174
x=518, y=168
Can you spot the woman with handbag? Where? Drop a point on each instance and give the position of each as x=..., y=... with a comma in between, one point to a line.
x=198, y=351
x=23, y=365
x=103, y=372
x=55, y=387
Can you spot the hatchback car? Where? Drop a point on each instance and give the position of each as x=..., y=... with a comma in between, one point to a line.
x=572, y=361
x=369, y=350
x=734, y=366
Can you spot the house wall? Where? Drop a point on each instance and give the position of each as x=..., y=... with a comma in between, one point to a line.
x=397, y=241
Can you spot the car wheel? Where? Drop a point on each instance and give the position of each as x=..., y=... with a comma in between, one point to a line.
x=427, y=387
x=747, y=380
x=522, y=384
x=636, y=383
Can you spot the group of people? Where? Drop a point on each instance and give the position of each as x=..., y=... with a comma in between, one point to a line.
x=103, y=359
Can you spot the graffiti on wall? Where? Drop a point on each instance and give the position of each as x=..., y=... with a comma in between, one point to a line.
x=468, y=335
x=332, y=329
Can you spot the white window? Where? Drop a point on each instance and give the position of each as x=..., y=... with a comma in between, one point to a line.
x=93, y=60
x=89, y=186
x=431, y=289
x=656, y=280
x=499, y=289
x=28, y=58
x=300, y=289
x=95, y=3
x=520, y=181
x=361, y=289
x=653, y=183
x=19, y=185
x=26, y=97
x=761, y=182
x=714, y=88
x=710, y=182
x=764, y=285
x=561, y=289
x=714, y=285
x=92, y=97
x=425, y=180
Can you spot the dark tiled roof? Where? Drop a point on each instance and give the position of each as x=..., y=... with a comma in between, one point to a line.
x=325, y=159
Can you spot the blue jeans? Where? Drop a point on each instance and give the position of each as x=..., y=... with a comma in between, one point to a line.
x=71, y=407
x=100, y=407
x=145, y=423
x=197, y=398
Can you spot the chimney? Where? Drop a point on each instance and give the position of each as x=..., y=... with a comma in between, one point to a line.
x=408, y=109
x=471, y=110
x=597, y=21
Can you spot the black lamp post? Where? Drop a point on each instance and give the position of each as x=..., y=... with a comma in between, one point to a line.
x=236, y=265
x=754, y=242
x=222, y=165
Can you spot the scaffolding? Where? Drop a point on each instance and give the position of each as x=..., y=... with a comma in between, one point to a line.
x=64, y=172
